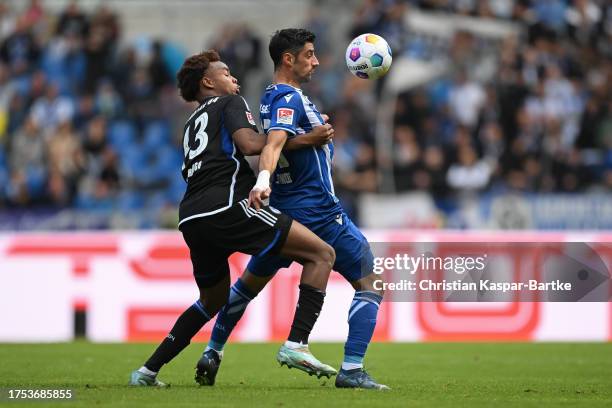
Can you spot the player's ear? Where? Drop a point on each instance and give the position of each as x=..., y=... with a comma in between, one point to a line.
x=288, y=58
x=207, y=82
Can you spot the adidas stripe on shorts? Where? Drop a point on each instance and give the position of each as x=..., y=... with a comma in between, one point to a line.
x=240, y=228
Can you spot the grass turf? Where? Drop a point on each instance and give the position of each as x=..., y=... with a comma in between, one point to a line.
x=421, y=375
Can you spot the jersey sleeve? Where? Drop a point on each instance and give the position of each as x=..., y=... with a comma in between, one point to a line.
x=237, y=115
x=285, y=113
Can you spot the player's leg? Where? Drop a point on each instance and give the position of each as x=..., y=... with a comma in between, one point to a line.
x=268, y=233
x=187, y=325
x=211, y=272
x=297, y=243
x=245, y=289
x=317, y=258
x=355, y=262
x=241, y=293
x=362, y=319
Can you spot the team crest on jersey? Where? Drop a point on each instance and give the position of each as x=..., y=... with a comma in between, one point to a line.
x=284, y=116
x=250, y=118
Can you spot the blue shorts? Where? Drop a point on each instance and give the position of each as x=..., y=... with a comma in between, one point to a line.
x=354, y=259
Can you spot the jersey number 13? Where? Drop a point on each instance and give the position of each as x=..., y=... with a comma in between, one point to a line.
x=201, y=137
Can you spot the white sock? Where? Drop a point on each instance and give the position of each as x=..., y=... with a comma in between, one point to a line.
x=294, y=345
x=219, y=353
x=146, y=371
x=351, y=366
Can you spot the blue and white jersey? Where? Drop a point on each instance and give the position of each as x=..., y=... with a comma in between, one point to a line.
x=303, y=177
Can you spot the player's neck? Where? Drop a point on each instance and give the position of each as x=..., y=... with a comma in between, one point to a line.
x=280, y=78
x=202, y=96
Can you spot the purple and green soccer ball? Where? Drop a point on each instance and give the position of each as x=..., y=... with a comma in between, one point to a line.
x=368, y=56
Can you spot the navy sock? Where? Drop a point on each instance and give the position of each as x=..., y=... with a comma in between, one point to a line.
x=362, y=321
x=307, y=312
x=230, y=314
x=186, y=326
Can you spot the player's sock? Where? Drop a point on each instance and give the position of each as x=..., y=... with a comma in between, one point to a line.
x=362, y=321
x=307, y=312
x=219, y=353
x=294, y=345
x=146, y=371
x=186, y=326
x=228, y=317
x=352, y=366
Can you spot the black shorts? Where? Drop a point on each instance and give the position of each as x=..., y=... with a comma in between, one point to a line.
x=212, y=239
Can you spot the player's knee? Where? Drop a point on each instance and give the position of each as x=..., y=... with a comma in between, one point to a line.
x=212, y=306
x=213, y=300
x=328, y=255
x=323, y=255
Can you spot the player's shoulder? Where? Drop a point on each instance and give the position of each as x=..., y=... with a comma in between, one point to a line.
x=231, y=98
x=280, y=90
x=285, y=94
x=234, y=101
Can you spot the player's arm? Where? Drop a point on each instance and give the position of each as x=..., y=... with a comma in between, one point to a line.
x=241, y=125
x=252, y=143
x=319, y=136
x=267, y=163
x=249, y=141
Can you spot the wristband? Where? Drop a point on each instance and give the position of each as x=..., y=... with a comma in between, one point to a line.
x=263, y=181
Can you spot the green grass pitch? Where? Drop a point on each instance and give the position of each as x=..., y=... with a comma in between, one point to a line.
x=421, y=375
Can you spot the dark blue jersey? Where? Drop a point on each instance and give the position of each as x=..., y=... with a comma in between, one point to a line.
x=303, y=178
x=216, y=172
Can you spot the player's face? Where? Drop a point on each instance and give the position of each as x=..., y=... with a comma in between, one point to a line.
x=305, y=63
x=218, y=77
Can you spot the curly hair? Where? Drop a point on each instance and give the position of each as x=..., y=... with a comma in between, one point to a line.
x=191, y=73
x=288, y=40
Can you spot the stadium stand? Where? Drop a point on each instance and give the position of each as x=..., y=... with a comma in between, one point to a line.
x=519, y=103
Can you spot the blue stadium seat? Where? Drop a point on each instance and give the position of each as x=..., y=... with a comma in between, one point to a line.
x=130, y=200
x=156, y=135
x=156, y=201
x=85, y=201
x=168, y=163
x=121, y=134
x=176, y=189
x=131, y=161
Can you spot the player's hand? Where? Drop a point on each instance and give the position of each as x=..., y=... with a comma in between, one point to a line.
x=322, y=135
x=257, y=196
x=325, y=118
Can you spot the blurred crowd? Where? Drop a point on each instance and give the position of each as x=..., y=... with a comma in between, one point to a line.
x=89, y=122
x=535, y=118
x=84, y=123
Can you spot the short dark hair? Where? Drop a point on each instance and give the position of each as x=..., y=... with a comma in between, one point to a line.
x=192, y=71
x=288, y=40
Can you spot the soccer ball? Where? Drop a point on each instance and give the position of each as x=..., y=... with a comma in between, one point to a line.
x=368, y=56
